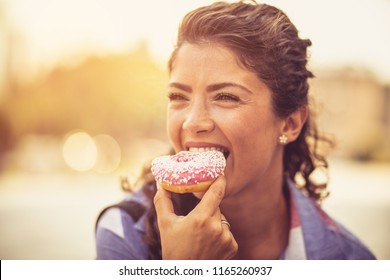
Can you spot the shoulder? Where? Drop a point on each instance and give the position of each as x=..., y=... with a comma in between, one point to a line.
x=323, y=236
x=120, y=229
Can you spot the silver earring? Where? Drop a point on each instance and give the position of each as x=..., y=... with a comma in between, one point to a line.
x=283, y=139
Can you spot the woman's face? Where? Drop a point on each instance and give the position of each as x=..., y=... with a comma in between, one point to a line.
x=215, y=103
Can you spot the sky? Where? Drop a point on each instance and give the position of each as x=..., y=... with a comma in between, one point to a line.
x=343, y=32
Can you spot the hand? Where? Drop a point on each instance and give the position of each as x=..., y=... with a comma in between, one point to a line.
x=200, y=234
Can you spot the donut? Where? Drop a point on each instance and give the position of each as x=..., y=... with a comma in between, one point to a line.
x=187, y=171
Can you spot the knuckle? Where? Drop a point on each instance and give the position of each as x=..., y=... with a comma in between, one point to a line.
x=218, y=187
x=216, y=229
x=230, y=240
x=164, y=222
x=234, y=245
x=226, y=238
x=200, y=220
x=218, y=192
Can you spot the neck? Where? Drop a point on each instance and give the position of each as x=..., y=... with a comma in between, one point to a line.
x=259, y=219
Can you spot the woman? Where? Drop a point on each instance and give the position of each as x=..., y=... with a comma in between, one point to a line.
x=238, y=81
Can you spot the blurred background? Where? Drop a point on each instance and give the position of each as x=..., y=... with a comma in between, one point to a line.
x=82, y=103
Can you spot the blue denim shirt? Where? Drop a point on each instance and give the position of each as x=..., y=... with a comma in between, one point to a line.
x=313, y=234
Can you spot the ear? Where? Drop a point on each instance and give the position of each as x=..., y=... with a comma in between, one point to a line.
x=292, y=125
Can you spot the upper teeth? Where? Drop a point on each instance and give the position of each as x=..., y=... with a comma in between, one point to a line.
x=205, y=149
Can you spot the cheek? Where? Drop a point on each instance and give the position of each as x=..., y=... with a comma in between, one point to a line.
x=173, y=130
x=254, y=138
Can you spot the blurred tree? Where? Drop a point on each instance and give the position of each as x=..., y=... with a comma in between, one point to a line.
x=122, y=94
x=6, y=82
x=10, y=55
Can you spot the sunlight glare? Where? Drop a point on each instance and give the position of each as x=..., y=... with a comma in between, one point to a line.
x=80, y=151
x=108, y=154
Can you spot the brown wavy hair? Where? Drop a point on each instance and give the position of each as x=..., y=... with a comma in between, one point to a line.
x=267, y=43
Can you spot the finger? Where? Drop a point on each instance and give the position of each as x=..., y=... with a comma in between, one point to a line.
x=228, y=238
x=209, y=204
x=225, y=222
x=163, y=203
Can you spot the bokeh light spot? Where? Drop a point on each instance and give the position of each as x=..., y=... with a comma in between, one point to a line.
x=79, y=151
x=108, y=153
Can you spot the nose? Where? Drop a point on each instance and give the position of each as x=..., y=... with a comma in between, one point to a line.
x=198, y=119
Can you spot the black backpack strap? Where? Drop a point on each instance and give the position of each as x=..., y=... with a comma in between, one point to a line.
x=133, y=208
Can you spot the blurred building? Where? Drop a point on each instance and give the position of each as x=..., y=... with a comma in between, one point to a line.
x=119, y=95
x=3, y=50
x=11, y=60
x=354, y=107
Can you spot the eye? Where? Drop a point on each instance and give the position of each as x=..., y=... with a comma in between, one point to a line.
x=223, y=96
x=174, y=96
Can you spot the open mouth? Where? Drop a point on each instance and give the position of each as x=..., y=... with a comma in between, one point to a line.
x=205, y=149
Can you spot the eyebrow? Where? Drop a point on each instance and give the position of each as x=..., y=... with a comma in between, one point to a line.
x=210, y=88
x=181, y=86
x=219, y=86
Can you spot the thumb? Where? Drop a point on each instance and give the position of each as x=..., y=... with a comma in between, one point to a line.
x=209, y=204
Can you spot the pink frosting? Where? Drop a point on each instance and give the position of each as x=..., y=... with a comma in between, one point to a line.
x=188, y=168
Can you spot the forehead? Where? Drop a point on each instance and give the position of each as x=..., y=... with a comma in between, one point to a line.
x=208, y=61
x=206, y=51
